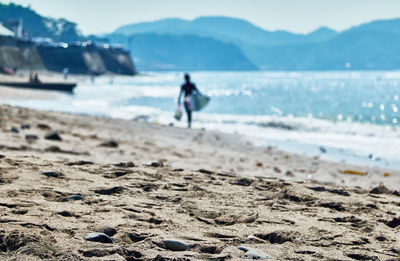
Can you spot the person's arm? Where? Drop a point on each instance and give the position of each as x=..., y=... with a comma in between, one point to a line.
x=195, y=89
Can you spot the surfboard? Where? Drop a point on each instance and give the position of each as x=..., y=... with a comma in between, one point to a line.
x=199, y=101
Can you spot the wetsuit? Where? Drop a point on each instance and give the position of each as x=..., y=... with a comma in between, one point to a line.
x=187, y=88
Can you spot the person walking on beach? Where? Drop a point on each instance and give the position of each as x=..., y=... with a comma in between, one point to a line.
x=187, y=89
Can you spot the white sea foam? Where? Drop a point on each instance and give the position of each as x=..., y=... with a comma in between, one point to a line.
x=353, y=113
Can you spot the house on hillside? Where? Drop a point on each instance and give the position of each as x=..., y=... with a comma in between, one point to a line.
x=4, y=31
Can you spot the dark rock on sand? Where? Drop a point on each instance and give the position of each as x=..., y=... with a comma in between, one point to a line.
x=99, y=237
x=381, y=189
x=243, y=248
x=242, y=182
x=31, y=137
x=204, y=171
x=43, y=126
x=116, y=174
x=157, y=164
x=14, y=130
x=53, y=149
x=109, y=144
x=109, y=231
x=175, y=245
x=25, y=126
x=2, y=156
x=128, y=164
x=381, y=238
x=80, y=162
x=109, y=191
x=362, y=257
x=66, y=214
x=53, y=135
x=393, y=223
x=53, y=174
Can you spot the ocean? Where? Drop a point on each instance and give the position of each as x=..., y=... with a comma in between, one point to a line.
x=346, y=116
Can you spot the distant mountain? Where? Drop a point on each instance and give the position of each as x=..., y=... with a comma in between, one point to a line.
x=361, y=50
x=36, y=25
x=370, y=46
x=226, y=29
x=183, y=52
x=390, y=26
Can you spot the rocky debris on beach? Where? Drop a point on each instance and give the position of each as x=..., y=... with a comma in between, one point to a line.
x=381, y=189
x=25, y=126
x=53, y=174
x=14, y=130
x=79, y=163
x=43, y=126
x=157, y=164
x=53, y=135
x=31, y=137
x=109, y=144
x=128, y=164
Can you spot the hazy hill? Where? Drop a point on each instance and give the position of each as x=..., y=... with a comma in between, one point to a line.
x=185, y=52
x=38, y=26
x=390, y=26
x=223, y=43
x=226, y=29
x=362, y=50
x=370, y=46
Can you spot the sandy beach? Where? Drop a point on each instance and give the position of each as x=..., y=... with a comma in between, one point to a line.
x=64, y=176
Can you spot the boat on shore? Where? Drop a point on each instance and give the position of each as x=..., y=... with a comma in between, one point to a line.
x=53, y=86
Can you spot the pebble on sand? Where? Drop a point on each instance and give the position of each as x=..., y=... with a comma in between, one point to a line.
x=109, y=143
x=381, y=189
x=53, y=174
x=99, y=237
x=75, y=197
x=53, y=135
x=25, y=126
x=31, y=137
x=14, y=130
x=175, y=245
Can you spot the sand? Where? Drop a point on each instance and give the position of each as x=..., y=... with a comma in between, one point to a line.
x=143, y=183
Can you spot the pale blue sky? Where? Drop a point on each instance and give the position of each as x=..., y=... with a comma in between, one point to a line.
x=301, y=16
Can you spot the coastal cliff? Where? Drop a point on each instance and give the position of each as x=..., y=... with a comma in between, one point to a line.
x=25, y=55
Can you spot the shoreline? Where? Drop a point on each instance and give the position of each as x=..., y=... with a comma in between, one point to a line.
x=143, y=183
x=360, y=149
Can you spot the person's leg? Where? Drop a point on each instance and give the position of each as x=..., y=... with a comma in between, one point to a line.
x=189, y=118
x=188, y=113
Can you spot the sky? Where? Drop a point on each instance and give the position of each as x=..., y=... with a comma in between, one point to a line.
x=299, y=16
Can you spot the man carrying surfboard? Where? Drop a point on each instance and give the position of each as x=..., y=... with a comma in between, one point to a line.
x=187, y=89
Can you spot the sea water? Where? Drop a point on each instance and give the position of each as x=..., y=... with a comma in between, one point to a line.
x=345, y=116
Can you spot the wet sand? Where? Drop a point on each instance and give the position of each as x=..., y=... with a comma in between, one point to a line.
x=143, y=183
